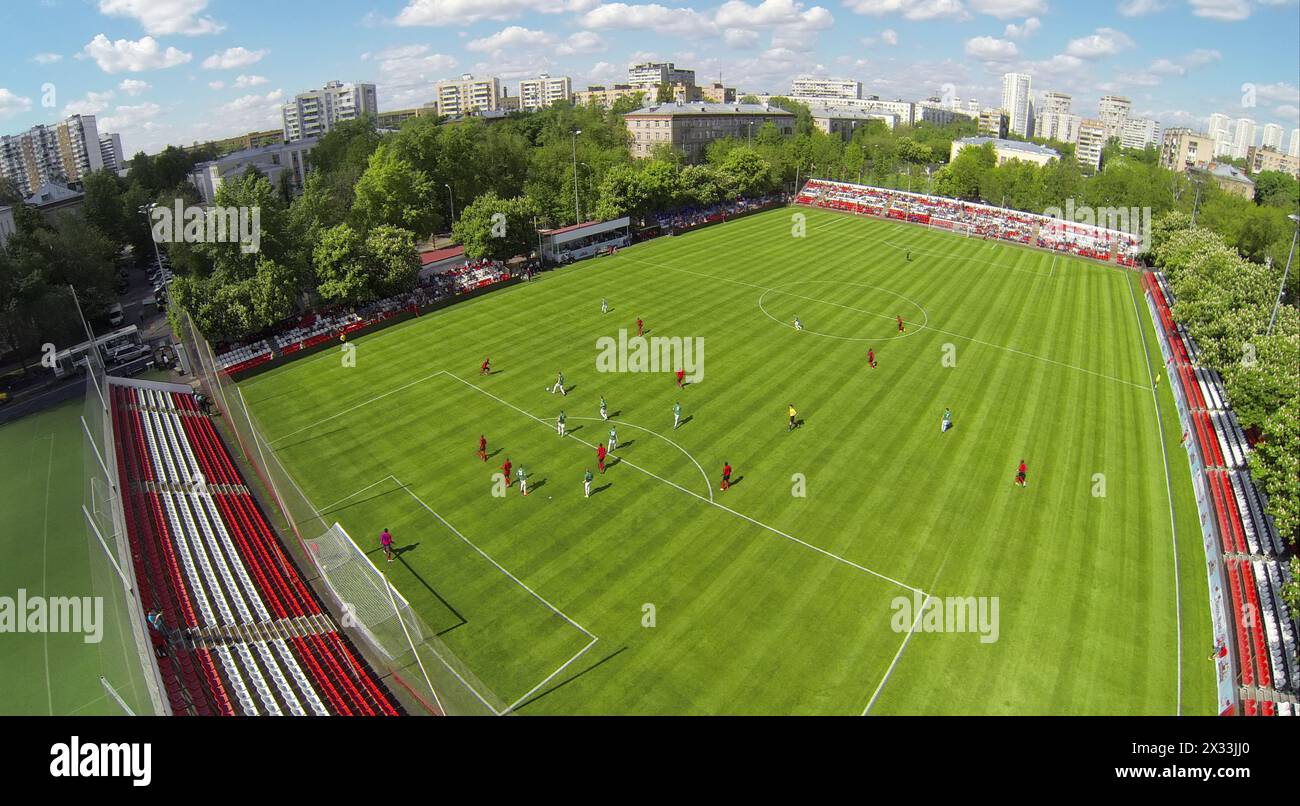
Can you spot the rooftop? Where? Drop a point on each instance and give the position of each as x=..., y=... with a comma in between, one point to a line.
x=1010, y=145
x=707, y=108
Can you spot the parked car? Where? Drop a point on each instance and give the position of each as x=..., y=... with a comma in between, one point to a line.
x=115, y=314
x=127, y=354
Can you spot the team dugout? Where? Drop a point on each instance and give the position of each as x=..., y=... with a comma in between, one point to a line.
x=568, y=244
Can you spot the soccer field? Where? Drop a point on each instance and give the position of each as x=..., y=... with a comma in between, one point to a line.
x=796, y=590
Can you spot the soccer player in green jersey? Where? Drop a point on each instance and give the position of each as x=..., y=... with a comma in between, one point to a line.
x=613, y=439
x=559, y=423
x=604, y=410
x=947, y=421
x=677, y=414
x=559, y=385
x=523, y=480
x=586, y=484
x=604, y=305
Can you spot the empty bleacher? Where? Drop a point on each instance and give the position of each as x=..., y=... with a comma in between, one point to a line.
x=1263, y=628
x=253, y=638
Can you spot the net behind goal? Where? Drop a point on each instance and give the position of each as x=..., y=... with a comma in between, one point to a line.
x=371, y=605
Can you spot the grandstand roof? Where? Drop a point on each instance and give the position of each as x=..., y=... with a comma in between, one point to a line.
x=1010, y=145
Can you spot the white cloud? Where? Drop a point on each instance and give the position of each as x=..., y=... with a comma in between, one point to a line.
x=47, y=58
x=771, y=14
x=1104, y=42
x=1140, y=8
x=92, y=104
x=1197, y=58
x=124, y=55
x=1023, y=31
x=660, y=19
x=127, y=118
x=11, y=104
x=249, y=81
x=407, y=73
x=461, y=12
x=231, y=58
x=1006, y=9
x=740, y=38
x=989, y=49
x=889, y=36
x=133, y=86
x=163, y=17
x=1223, y=10
x=516, y=39
x=910, y=9
x=216, y=85
x=1280, y=92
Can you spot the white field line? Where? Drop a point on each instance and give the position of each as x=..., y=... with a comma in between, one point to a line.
x=572, y=659
x=727, y=509
x=927, y=326
x=707, y=485
x=907, y=638
x=45, y=545
x=350, y=409
x=1169, y=489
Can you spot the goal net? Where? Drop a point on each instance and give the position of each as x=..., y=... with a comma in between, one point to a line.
x=372, y=606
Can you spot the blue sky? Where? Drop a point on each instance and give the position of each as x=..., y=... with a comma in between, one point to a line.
x=176, y=71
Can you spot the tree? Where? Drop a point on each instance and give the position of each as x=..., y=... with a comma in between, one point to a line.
x=744, y=173
x=701, y=185
x=340, y=262
x=621, y=194
x=103, y=207
x=394, y=260
x=497, y=228
x=394, y=192
x=1277, y=189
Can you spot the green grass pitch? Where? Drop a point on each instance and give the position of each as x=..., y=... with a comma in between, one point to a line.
x=765, y=600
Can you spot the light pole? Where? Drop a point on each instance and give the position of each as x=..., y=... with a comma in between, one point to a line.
x=451, y=201
x=1196, y=204
x=577, y=215
x=148, y=208
x=1286, y=271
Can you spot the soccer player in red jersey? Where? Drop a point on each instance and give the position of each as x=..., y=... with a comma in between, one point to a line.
x=1020, y=474
x=486, y=369
x=901, y=328
x=482, y=447
x=871, y=358
x=600, y=457
x=506, y=469
x=726, y=476
x=681, y=378
x=640, y=326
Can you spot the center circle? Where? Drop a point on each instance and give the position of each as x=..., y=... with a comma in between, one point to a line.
x=779, y=290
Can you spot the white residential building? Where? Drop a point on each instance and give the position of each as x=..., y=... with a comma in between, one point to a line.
x=1139, y=133
x=1243, y=137
x=1272, y=137
x=1294, y=148
x=1092, y=139
x=468, y=94
x=1017, y=100
x=272, y=161
x=1220, y=131
x=1112, y=111
x=110, y=152
x=59, y=153
x=649, y=75
x=826, y=88
x=541, y=92
x=315, y=113
x=1063, y=128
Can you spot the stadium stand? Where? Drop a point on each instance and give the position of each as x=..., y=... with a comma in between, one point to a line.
x=977, y=220
x=248, y=637
x=1263, y=628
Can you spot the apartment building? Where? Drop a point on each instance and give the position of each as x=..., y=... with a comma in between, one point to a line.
x=1183, y=148
x=845, y=120
x=993, y=123
x=691, y=127
x=1008, y=150
x=603, y=96
x=110, y=152
x=1093, y=135
x=468, y=94
x=59, y=153
x=316, y=112
x=541, y=92
x=1112, y=111
x=650, y=75
x=1139, y=133
x=826, y=88
x=1270, y=159
x=1018, y=101
x=272, y=161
